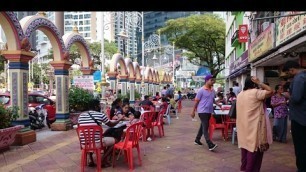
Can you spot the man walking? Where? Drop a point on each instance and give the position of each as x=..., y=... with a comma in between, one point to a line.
x=297, y=111
x=204, y=106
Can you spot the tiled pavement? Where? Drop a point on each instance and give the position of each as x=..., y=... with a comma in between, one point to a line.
x=60, y=151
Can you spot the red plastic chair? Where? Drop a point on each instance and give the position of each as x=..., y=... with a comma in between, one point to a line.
x=213, y=125
x=90, y=138
x=147, y=118
x=130, y=141
x=160, y=123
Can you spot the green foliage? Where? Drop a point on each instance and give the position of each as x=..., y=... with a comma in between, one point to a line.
x=136, y=94
x=40, y=71
x=203, y=37
x=7, y=115
x=81, y=99
x=2, y=60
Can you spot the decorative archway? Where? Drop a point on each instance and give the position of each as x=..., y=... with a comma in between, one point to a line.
x=113, y=72
x=80, y=42
x=61, y=65
x=138, y=75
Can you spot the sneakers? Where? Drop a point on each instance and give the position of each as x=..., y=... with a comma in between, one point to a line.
x=197, y=142
x=211, y=145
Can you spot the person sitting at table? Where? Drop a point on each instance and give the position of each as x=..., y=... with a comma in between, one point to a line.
x=221, y=99
x=127, y=100
x=164, y=105
x=156, y=97
x=124, y=112
x=93, y=117
x=116, y=105
x=172, y=102
x=134, y=118
x=146, y=101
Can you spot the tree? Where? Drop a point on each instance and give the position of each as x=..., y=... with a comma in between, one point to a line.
x=40, y=72
x=203, y=36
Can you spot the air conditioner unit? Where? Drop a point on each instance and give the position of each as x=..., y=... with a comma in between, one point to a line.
x=264, y=25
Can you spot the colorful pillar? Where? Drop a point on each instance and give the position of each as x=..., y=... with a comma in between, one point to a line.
x=18, y=74
x=138, y=85
x=112, y=78
x=61, y=73
x=132, y=90
x=123, y=81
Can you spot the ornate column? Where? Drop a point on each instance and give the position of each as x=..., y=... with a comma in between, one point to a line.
x=146, y=87
x=132, y=90
x=112, y=78
x=153, y=89
x=138, y=85
x=18, y=74
x=61, y=73
x=123, y=81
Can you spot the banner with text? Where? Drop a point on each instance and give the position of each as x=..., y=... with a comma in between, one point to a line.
x=85, y=82
x=243, y=33
x=262, y=44
x=288, y=27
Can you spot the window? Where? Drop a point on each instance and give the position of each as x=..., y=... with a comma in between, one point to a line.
x=87, y=28
x=87, y=34
x=81, y=16
x=80, y=28
x=87, y=22
x=86, y=16
x=75, y=17
x=80, y=22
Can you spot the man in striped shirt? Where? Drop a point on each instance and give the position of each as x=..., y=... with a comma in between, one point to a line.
x=95, y=118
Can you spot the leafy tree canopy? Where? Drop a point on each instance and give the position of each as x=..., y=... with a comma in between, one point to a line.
x=203, y=36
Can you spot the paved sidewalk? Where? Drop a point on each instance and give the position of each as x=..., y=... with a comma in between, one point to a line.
x=60, y=151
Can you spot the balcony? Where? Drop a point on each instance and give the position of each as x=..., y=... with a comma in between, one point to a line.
x=234, y=40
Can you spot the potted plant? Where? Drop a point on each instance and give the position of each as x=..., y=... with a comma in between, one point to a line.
x=7, y=130
x=79, y=100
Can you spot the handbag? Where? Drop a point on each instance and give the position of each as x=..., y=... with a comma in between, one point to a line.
x=233, y=110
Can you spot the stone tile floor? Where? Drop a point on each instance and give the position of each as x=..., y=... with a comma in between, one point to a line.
x=60, y=151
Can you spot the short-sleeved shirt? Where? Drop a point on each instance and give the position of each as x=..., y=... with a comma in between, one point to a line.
x=85, y=119
x=124, y=114
x=205, y=96
x=281, y=110
x=250, y=105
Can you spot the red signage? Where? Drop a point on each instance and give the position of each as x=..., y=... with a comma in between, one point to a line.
x=243, y=33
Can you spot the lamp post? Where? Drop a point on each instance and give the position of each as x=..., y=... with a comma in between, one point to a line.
x=173, y=67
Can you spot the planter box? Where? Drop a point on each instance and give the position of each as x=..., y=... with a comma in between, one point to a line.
x=7, y=136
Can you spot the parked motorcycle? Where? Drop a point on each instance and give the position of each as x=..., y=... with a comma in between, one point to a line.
x=191, y=96
x=38, y=117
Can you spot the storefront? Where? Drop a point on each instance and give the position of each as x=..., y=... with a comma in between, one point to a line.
x=238, y=71
x=289, y=41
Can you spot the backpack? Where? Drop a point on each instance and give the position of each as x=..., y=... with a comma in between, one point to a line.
x=233, y=111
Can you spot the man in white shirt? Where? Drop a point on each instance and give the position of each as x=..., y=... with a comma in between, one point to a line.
x=236, y=88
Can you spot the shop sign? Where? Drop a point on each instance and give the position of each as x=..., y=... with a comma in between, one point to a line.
x=288, y=27
x=239, y=63
x=262, y=44
x=243, y=33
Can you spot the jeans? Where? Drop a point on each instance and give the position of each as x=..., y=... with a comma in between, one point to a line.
x=298, y=132
x=204, y=117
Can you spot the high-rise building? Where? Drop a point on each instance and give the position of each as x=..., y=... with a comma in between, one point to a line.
x=20, y=15
x=154, y=20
